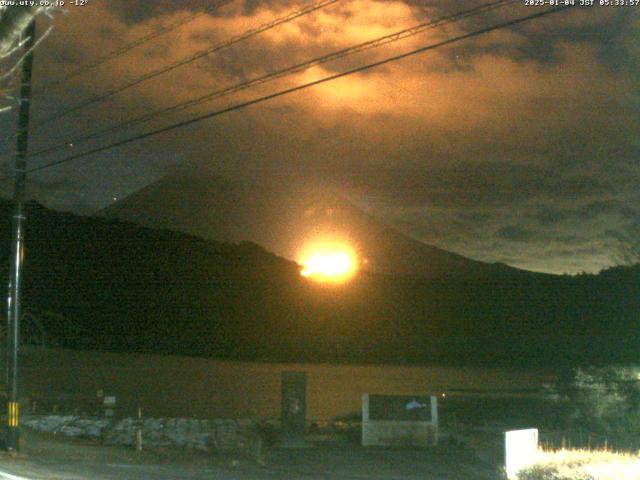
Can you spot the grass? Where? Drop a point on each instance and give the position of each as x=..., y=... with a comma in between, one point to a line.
x=583, y=465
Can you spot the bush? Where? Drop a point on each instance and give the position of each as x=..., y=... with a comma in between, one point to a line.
x=583, y=465
x=606, y=401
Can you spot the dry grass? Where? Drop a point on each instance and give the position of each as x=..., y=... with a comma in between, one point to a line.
x=583, y=465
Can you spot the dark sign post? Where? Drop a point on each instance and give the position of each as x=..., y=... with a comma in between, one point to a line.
x=294, y=406
x=17, y=251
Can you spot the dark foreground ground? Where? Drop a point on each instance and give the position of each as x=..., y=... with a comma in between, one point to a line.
x=45, y=457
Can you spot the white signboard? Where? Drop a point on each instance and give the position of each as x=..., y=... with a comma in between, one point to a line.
x=521, y=447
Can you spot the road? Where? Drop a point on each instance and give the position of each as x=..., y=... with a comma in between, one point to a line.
x=54, y=459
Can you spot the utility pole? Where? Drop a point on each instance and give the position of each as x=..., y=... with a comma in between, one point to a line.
x=17, y=251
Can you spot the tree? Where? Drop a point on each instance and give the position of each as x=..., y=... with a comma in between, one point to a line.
x=606, y=401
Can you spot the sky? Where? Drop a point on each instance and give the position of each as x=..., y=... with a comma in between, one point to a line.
x=518, y=146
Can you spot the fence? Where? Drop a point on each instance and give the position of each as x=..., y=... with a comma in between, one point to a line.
x=399, y=420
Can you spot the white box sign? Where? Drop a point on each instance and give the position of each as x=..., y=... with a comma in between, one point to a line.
x=521, y=448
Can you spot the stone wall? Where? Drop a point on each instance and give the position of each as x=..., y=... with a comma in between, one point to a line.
x=205, y=435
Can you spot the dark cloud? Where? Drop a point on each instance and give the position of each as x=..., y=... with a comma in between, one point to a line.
x=549, y=215
x=520, y=145
x=605, y=30
x=624, y=240
x=472, y=184
x=136, y=11
x=515, y=234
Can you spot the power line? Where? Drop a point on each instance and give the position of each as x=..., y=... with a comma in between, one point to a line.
x=131, y=45
x=124, y=49
x=203, y=53
x=384, y=40
x=297, y=88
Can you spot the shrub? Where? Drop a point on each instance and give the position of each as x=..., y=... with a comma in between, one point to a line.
x=606, y=401
x=583, y=465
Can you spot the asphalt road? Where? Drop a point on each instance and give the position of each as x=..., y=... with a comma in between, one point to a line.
x=55, y=459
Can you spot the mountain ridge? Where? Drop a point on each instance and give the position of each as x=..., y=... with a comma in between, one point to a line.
x=122, y=287
x=282, y=219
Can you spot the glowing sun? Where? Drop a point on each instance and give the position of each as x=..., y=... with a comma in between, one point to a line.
x=329, y=263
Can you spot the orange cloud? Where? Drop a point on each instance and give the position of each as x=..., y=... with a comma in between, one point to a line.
x=491, y=98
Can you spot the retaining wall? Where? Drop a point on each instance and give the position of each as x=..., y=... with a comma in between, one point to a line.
x=206, y=435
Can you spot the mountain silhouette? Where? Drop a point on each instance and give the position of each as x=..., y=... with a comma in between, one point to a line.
x=116, y=286
x=285, y=218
